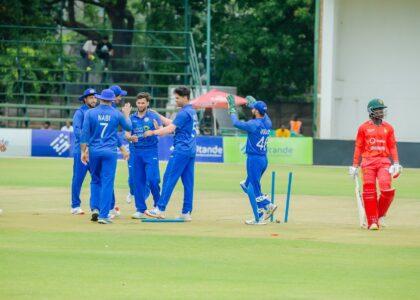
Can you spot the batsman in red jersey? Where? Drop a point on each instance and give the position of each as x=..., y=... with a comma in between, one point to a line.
x=376, y=144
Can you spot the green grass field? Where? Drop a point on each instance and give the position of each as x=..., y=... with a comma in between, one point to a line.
x=46, y=253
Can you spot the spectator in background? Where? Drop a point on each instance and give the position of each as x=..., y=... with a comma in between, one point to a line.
x=283, y=132
x=46, y=125
x=88, y=53
x=206, y=125
x=68, y=127
x=295, y=126
x=105, y=51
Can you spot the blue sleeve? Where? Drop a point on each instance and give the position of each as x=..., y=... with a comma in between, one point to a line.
x=157, y=118
x=77, y=123
x=248, y=126
x=124, y=122
x=120, y=140
x=180, y=119
x=84, y=139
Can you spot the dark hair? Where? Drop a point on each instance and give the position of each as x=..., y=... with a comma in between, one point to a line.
x=105, y=37
x=182, y=91
x=144, y=95
x=47, y=123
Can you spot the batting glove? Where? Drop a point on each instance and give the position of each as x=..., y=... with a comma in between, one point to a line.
x=395, y=170
x=353, y=171
x=231, y=104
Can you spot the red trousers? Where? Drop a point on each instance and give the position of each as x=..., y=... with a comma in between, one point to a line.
x=376, y=168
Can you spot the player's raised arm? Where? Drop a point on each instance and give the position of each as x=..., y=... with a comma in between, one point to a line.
x=247, y=126
x=124, y=120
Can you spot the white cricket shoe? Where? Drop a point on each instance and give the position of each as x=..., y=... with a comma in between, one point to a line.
x=138, y=216
x=104, y=221
x=382, y=222
x=77, y=211
x=374, y=226
x=253, y=222
x=269, y=211
x=129, y=198
x=155, y=213
x=186, y=217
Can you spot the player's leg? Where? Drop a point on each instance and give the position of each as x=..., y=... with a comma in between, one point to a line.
x=139, y=178
x=387, y=192
x=370, y=198
x=174, y=169
x=79, y=174
x=95, y=166
x=109, y=166
x=187, y=178
x=130, y=178
x=256, y=165
x=153, y=175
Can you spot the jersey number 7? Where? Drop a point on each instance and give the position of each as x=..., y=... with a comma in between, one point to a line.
x=105, y=125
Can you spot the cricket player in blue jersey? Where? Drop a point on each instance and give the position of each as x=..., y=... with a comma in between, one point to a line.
x=99, y=147
x=79, y=169
x=145, y=160
x=119, y=93
x=182, y=160
x=258, y=130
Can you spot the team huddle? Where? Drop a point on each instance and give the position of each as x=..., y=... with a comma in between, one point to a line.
x=97, y=138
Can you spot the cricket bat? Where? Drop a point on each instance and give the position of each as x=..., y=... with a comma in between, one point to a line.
x=360, y=207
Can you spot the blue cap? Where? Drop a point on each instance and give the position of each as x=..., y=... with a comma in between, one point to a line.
x=88, y=92
x=118, y=91
x=107, y=95
x=260, y=106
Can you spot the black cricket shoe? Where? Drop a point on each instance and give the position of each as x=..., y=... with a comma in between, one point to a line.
x=95, y=216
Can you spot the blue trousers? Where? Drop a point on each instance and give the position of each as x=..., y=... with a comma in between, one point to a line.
x=102, y=167
x=146, y=177
x=130, y=173
x=179, y=165
x=79, y=174
x=255, y=168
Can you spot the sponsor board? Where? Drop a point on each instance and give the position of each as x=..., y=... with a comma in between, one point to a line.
x=16, y=142
x=297, y=150
x=52, y=143
x=209, y=149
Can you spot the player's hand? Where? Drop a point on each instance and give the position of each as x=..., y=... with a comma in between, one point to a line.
x=231, y=104
x=85, y=157
x=148, y=133
x=124, y=153
x=353, y=171
x=134, y=138
x=126, y=109
x=395, y=170
x=250, y=100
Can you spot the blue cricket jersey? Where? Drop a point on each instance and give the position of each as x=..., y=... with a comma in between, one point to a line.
x=100, y=128
x=186, y=123
x=141, y=125
x=258, y=132
x=78, y=117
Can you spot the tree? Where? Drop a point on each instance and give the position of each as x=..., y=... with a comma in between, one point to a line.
x=264, y=47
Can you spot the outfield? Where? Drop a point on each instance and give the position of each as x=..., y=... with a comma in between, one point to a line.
x=46, y=253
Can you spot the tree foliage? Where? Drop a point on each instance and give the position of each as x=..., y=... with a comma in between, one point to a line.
x=265, y=48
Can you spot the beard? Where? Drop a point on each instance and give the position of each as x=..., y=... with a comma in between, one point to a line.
x=142, y=110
